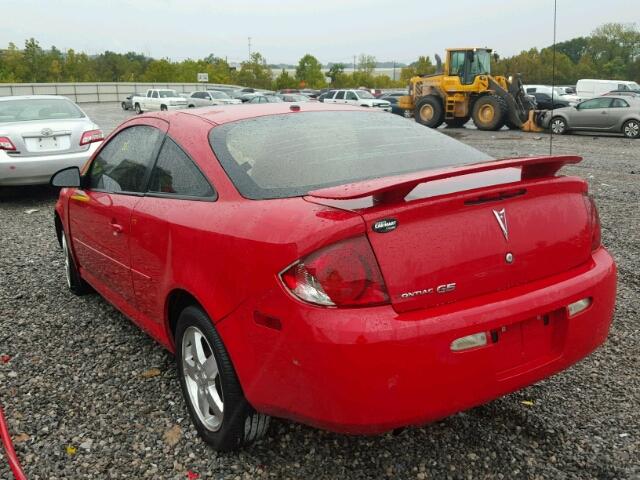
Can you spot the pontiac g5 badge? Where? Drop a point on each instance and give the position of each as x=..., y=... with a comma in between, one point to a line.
x=501, y=217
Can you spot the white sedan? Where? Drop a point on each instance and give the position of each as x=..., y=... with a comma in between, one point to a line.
x=41, y=134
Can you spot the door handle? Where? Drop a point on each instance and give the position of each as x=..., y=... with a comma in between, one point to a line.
x=117, y=228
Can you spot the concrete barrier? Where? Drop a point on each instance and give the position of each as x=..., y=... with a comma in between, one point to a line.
x=99, y=92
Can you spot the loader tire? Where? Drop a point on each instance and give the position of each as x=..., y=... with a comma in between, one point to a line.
x=429, y=111
x=489, y=112
x=457, y=122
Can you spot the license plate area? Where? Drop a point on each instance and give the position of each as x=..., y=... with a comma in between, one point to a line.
x=528, y=344
x=47, y=144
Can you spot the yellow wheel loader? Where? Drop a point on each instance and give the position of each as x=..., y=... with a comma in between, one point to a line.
x=464, y=89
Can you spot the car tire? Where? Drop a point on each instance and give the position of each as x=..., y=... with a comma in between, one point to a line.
x=124, y=106
x=207, y=377
x=631, y=129
x=191, y=106
x=75, y=283
x=558, y=126
x=428, y=111
x=138, y=109
x=163, y=108
x=489, y=112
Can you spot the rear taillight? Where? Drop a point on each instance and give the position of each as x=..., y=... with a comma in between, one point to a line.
x=345, y=274
x=6, y=144
x=594, y=221
x=91, y=136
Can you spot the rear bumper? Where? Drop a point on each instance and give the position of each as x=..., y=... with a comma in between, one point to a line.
x=372, y=370
x=38, y=170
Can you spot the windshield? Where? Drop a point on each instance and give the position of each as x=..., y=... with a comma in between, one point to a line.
x=634, y=87
x=279, y=156
x=167, y=93
x=364, y=94
x=23, y=110
x=216, y=94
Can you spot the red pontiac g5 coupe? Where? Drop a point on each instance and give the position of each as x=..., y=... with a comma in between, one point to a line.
x=341, y=267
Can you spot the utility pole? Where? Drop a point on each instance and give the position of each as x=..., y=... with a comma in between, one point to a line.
x=249, y=48
x=354, y=64
x=394, y=70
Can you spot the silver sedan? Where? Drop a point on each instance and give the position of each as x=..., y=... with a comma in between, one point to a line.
x=604, y=114
x=41, y=134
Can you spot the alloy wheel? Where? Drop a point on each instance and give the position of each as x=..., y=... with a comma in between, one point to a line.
x=202, y=378
x=558, y=126
x=632, y=129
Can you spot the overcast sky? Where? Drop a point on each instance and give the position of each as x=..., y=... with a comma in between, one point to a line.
x=332, y=30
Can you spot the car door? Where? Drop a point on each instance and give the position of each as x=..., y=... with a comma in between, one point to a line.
x=176, y=188
x=100, y=212
x=351, y=98
x=592, y=114
x=617, y=113
x=339, y=97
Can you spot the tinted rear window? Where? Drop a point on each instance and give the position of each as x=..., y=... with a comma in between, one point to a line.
x=23, y=110
x=289, y=155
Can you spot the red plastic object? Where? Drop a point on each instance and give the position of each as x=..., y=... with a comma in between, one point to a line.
x=12, y=457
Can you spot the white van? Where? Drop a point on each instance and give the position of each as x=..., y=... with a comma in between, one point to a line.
x=588, y=88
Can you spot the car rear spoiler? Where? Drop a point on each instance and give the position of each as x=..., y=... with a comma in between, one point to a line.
x=396, y=188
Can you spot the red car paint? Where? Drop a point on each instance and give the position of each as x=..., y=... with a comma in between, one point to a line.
x=373, y=368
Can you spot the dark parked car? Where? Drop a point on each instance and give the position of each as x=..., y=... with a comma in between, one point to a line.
x=545, y=102
x=393, y=98
x=127, y=104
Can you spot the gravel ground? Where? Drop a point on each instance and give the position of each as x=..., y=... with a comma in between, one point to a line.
x=84, y=401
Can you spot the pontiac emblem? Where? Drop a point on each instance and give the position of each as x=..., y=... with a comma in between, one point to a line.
x=501, y=217
x=46, y=132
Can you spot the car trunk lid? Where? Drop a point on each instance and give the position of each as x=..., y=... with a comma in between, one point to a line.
x=456, y=238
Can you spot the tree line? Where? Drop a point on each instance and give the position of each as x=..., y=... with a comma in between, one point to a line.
x=611, y=51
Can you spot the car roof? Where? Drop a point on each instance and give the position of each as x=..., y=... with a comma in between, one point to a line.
x=218, y=115
x=36, y=97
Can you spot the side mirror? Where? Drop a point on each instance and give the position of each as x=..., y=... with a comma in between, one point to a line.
x=67, y=177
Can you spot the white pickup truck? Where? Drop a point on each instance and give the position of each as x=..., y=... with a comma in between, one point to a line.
x=159, y=99
x=361, y=98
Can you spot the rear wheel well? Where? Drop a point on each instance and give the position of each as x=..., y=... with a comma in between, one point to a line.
x=178, y=300
x=58, y=225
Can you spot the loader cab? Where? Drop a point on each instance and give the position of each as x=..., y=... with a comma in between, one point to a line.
x=468, y=63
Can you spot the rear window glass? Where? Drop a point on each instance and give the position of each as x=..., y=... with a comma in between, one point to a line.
x=24, y=110
x=288, y=155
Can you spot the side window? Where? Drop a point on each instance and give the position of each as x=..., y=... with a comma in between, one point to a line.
x=457, y=62
x=176, y=174
x=340, y=95
x=351, y=96
x=623, y=87
x=603, y=102
x=531, y=90
x=154, y=94
x=619, y=103
x=196, y=95
x=149, y=92
x=124, y=163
